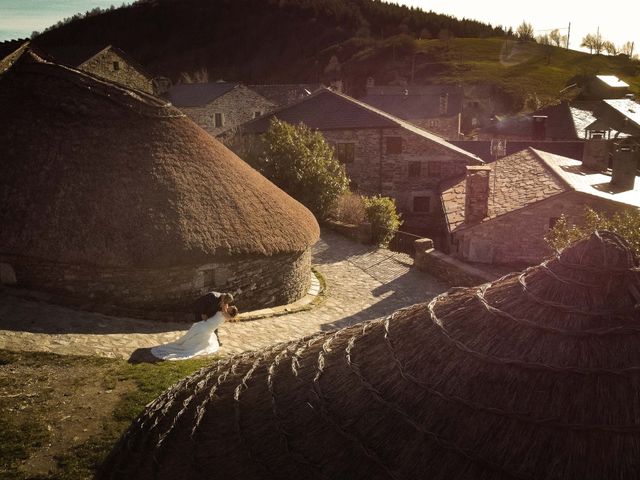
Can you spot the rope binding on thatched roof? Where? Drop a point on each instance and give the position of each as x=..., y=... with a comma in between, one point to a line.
x=483, y=382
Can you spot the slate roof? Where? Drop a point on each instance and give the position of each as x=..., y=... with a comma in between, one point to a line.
x=285, y=94
x=530, y=176
x=627, y=107
x=198, y=94
x=415, y=104
x=612, y=81
x=329, y=110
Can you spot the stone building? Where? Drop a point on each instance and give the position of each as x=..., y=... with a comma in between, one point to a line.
x=109, y=63
x=500, y=213
x=114, y=197
x=382, y=153
x=605, y=86
x=436, y=108
x=219, y=106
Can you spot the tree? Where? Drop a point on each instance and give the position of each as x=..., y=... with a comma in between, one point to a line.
x=544, y=39
x=609, y=47
x=557, y=39
x=627, y=49
x=593, y=42
x=525, y=32
x=625, y=223
x=301, y=163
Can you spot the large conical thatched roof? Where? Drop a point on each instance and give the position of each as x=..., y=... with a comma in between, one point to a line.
x=536, y=376
x=94, y=173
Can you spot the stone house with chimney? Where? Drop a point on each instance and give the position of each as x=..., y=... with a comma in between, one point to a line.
x=436, y=108
x=499, y=213
x=382, y=154
x=218, y=106
x=108, y=62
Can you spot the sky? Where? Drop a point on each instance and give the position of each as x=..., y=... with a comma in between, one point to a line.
x=618, y=23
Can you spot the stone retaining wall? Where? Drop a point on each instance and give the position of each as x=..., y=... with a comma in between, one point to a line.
x=359, y=233
x=446, y=268
x=263, y=281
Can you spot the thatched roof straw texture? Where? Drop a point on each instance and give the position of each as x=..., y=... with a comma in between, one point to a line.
x=534, y=376
x=93, y=173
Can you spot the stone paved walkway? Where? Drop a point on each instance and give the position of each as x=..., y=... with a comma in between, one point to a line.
x=363, y=283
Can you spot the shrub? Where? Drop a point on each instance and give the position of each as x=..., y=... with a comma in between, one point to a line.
x=301, y=163
x=350, y=209
x=625, y=223
x=384, y=218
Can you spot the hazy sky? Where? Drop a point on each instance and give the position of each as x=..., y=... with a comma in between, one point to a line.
x=619, y=22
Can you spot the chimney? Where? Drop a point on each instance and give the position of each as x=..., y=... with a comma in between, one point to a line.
x=539, y=127
x=595, y=153
x=476, y=202
x=625, y=166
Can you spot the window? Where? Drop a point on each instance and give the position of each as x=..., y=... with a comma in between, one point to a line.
x=414, y=169
x=257, y=113
x=345, y=152
x=433, y=123
x=394, y=145
x=218, y=120
x=116, y=66
x=434, y=169
x=421, y=204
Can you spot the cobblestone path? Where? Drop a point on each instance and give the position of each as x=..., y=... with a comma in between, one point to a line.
x=363, y=283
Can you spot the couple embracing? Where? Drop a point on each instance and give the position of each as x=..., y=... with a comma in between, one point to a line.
x=210, y=311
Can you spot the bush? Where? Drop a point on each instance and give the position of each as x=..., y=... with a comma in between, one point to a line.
x=301, y=163
x=625, y=223
x=350, y=209
x=384, y=218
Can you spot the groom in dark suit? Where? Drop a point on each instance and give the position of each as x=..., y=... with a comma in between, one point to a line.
x=210, y=303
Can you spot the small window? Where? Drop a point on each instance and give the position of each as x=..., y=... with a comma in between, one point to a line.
x=116, y=66
x=434, y=169
x=433, y=123
x=257, y=113
x=219, y=120
x=421, y=204
x=414, y=169
x=553, y=221
x=345, y=152
x=394, y=145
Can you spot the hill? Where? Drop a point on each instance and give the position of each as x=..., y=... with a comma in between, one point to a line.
x=286, y=41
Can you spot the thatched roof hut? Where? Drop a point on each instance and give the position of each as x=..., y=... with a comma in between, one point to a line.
x=94, y=174
x=533, y=376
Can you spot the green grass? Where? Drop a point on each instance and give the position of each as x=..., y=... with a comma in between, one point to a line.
x=24, y=434
x=518, y=69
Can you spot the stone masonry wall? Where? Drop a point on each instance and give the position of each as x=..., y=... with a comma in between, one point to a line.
x=237, y=107
x=374, y=171
x=103, y=66
x=518, y=237
x=264, y=281
x=446, y=127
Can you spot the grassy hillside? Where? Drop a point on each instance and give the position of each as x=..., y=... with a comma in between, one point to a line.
x=285, y=41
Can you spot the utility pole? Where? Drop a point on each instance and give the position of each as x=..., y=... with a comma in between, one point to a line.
x=568, y=35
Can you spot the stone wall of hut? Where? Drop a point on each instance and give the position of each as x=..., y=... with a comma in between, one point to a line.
x=263, y=281
x=518, y=237
x=446, y=127
x=111, y=66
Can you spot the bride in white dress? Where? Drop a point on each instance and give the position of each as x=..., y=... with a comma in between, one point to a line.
x=201, y=339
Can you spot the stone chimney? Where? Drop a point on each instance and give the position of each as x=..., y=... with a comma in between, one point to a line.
x=539, y=127
x=625, y=166
x=476, y=202
x=595, y=154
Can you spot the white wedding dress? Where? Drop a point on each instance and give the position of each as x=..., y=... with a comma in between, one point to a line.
x=199, y=340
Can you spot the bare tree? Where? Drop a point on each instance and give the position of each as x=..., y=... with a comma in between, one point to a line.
x=525, y=31
x=594, y=43
x=627, y=49
x=556, y=38
x=544, y=39
x=609, y=47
